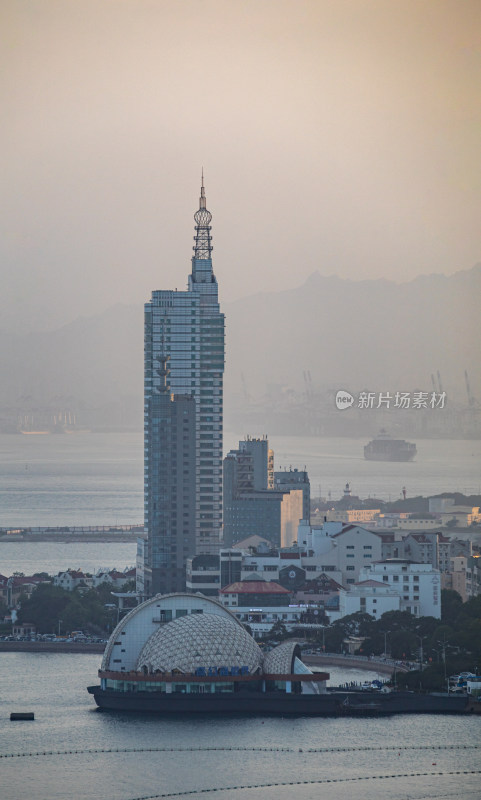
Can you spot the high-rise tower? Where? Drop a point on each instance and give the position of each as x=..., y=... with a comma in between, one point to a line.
x=187, y=327
x=170, y=470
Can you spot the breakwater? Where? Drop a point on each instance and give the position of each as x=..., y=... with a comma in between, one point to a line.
x=77, y=533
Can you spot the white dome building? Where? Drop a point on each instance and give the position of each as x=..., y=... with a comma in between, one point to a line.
x=185, y=653
x=153, y=619
x=194, y=641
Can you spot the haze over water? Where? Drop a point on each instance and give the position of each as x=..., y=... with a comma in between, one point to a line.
x=97, y=479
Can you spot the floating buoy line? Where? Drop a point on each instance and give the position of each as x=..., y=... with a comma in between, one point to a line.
x=213, y=749
x=318, y=782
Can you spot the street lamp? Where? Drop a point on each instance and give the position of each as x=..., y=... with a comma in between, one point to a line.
x=385, y=643
x=59, y=624
x=443, y=650
x=421, y=654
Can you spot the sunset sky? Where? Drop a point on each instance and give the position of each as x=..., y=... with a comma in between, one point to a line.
x=335, y=135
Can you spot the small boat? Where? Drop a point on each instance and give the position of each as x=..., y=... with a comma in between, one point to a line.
x=15, y=715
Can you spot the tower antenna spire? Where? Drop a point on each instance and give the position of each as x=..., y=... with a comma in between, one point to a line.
x=203, y=245
x=202, y=192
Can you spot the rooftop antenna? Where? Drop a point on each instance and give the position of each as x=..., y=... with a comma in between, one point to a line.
x=203, y=217
x=163, y=371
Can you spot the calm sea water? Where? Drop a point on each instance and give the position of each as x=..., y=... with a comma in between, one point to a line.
x=30, y=557
x=77, y=479
x=97, y=479
x=53, y=686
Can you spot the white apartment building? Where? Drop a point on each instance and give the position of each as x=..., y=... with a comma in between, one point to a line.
x=350, y=515
x=261, y=619
x=417, y=523
x=418, y=585
x=371, y=597
x=357, y=548
x=338, y=550
x=428, y=548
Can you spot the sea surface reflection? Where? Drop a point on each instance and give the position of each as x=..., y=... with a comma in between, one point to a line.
x=167, y=757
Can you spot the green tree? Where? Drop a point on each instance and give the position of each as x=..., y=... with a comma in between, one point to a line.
x=451, y=605
x=44, y=608
x=358, y=624
x=129, y=586
x=74, y=617
x=77, y=610
x=278, y=631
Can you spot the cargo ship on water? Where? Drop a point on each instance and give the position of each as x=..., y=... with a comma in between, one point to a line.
x=186, y=654
x=385, y=448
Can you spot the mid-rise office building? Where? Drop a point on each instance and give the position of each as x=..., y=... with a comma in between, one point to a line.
x=287, y=479
x=203, y=575
x=252, y=506
x=187, y=327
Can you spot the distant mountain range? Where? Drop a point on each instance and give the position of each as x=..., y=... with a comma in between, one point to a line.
x=373, y=334
x=360, y=334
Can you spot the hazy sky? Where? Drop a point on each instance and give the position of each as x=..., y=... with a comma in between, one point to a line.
x=336, y=135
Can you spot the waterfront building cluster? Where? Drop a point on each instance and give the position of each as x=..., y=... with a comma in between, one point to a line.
x=239, y=530
x=187, y=654
x=333, y=571
x=437, y=512
x=184, y=652
x=15, y=586
x=71, y=579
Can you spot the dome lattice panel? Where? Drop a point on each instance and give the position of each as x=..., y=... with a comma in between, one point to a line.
x=199, y=640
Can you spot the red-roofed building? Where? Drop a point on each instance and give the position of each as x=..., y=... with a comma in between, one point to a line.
x=116, y=578
x=71, y=579
x=254, y=593
x=320, y=590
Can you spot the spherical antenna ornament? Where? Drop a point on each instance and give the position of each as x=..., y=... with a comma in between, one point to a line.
x=203, y=217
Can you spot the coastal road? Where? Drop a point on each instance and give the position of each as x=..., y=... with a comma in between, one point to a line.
x=358, y=662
